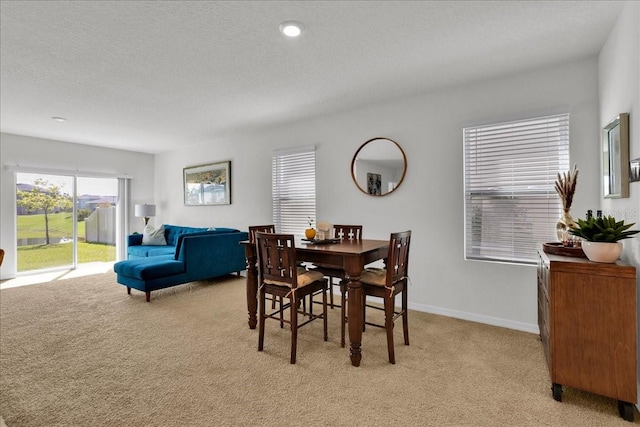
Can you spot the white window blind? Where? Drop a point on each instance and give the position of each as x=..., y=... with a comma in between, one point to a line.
x=294, y=189
x=510, y=200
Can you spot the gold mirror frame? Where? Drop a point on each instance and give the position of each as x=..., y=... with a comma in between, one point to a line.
x=379, y=166
x=615, y=158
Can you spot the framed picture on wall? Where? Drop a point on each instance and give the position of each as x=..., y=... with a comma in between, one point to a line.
x=374, y=184
x=634, y=170
x=208, y=184
x=615, y=157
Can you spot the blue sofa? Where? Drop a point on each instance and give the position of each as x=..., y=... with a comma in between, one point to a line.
x=190, y=254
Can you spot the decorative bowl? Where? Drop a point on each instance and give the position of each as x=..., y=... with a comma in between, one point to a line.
x=557, y=248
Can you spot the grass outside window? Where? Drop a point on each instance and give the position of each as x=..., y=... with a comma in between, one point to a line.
x=39, y=256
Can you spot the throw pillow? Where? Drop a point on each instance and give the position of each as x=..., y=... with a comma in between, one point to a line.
x=151, y=236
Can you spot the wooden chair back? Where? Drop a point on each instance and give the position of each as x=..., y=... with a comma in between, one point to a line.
x=276, y=259
x=1, y=255
x=398, y=260
x=347, y=232
x=263, y=228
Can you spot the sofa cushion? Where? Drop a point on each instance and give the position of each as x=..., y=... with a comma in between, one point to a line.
x=222, y=230
x=161, y=250
x=173, y=231
x=142, y=251
x=149, y=268
x=153, y=236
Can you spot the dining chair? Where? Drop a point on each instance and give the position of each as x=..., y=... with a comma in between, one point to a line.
x=271, y=228
x=387, y=283
x=1, y=256
x=280, y=276
x=343, y=232
x=347, y=232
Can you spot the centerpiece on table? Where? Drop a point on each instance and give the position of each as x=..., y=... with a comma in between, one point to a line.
x=566, y=188
x=310, y=232
x=602, y=237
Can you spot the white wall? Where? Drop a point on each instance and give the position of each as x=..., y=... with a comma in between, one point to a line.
x=430, y=200
x=619, y=72
x=619, y=84
x=31, y=152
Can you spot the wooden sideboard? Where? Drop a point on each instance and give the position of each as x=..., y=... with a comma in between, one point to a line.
x=587, y=320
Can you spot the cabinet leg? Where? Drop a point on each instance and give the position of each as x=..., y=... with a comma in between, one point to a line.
x=626, y=410
x=556, y=391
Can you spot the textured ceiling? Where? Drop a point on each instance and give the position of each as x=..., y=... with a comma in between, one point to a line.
x=154, y=76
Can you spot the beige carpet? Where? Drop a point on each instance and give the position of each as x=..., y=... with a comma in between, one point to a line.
x=81, y=352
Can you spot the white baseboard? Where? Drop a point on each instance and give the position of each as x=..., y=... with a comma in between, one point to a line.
x=473, y=317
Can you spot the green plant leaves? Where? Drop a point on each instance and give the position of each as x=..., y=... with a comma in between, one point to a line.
x=605, y=229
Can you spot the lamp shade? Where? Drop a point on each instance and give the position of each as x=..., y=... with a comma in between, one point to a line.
x=145, y=210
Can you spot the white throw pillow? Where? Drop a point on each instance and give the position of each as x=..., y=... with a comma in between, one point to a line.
x=155, y=237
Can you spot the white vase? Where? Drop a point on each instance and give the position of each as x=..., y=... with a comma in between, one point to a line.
x=602, y=251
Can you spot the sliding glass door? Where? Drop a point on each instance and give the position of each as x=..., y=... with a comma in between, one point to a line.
x=96, y=218
x=64, y=220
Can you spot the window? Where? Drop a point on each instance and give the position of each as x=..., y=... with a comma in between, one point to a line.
x=510, y=198
x=294, y=189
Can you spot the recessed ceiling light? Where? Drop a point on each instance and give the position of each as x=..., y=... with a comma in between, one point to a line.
x=59, y=119
x=291, y=28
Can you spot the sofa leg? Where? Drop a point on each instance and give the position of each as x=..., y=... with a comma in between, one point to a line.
x=148, y=294
x=128, y=290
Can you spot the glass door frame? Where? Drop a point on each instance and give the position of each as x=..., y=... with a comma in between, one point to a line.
x=74, y=180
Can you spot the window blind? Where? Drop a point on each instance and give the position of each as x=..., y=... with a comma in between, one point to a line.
x=294, y=189
x=510, y=200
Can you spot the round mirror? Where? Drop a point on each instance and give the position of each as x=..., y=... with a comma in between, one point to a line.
x=378, y=167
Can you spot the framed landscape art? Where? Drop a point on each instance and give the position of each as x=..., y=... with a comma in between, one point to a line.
x=208, y=184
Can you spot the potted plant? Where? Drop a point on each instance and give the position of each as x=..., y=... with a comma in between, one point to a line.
x=602, y=237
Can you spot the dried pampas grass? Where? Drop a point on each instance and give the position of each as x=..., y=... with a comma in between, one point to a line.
x=566, y=186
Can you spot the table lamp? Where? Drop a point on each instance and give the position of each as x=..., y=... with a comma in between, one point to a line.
x=145, y=211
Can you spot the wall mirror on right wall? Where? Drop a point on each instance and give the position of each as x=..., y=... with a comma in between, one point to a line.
x=379, y=166
x=615, y=158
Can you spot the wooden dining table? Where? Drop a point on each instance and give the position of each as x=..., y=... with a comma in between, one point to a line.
x=348, y=255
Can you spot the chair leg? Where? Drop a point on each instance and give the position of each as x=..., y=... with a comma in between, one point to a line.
x=388, y=325
x=128, y=290
x=294, y=329
x=343, y=313
x=281, y=313
x=331, y=291
x=324, y=313
x=261, y=319
x=364, y=311
x=405, y=317
x=148, y=295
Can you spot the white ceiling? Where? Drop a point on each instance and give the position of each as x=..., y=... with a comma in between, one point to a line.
x=155, y=76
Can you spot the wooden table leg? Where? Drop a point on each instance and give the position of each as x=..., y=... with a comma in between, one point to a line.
x=355, y=318
x=252, y=288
